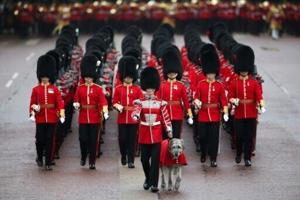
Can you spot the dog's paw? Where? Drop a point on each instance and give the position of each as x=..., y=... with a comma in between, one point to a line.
x=177, y=186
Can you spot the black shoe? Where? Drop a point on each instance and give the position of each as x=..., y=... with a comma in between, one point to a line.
x=154, y=189
x=124, y=161
x=53, y=163
x=238, y=159
x=57, y=157
x=99, y=154
x=39, y=162
x=82, y=162
x=213, y=163
x=203, y=158
x=48, y=168
x=92, y=167
x=146, y=185
x=248, y=163
x=131, y=165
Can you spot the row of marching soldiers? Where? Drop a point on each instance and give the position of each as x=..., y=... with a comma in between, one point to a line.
x=209, y=84
x=61, y=88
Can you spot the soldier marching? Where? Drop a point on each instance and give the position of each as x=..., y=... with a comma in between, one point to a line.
x=211, y=85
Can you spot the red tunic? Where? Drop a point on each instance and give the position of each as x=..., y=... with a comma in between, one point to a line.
x=166, y=158
x=91, y=100
x=176, y=95
x=212, y=96
x=125, y=95
x=153, y=114
x=50, y=101
x=249, y=92
x=195, y=77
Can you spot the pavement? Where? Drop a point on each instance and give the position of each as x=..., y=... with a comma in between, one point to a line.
x=274, y=175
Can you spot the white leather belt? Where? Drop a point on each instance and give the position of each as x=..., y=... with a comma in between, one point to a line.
x=150, y=124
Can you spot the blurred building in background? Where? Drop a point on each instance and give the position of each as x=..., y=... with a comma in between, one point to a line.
x=46, y=17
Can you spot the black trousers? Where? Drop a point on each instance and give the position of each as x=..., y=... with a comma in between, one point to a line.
x=88, y=138
x=150, y=156
x=244, y=128
x=45, y=133
x=195, y=129
x=127, y=140
x=209, y=138
x=176, y=128
x=62, y=129
x=69, y=110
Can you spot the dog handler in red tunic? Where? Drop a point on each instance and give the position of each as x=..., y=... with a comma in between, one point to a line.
x=153, y=114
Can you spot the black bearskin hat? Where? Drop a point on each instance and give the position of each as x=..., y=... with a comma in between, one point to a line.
x=171, y=62
x=150, y=79
x=127, y=67
x=90, y=66
x=210, y=62
x=244, y=59
x=46, y=67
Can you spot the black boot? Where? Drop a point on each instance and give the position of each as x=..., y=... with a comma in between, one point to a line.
x=248, y=163
x=146, y=185
x=131, y=165
x=238, y=158
x=213, y=163
x=92, y=167
x=39, y=162
x=57, y=157
x=123, y=160
x=83, y=161
x=154, y=189
x=203, y=158
x=48, y=168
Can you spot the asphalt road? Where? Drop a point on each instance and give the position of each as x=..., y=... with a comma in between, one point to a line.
x=274, y=175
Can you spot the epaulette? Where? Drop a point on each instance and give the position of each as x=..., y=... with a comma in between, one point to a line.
x=118, y=86
x=98, y=85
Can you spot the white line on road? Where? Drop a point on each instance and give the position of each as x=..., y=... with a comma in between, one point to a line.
x=285, y=90
x=15, y=75
x=28, y=58
x=8, y=84
x=32, y=42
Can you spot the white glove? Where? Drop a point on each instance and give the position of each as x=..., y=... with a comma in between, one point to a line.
x=62, y=120
x=119, y=108
x=226, y=117
x=135, y=117
x=235, y=101
x=197, y=103
x=170, y=134
x=261, y=110
x=106, y=116
x=32, y=118
x=76, y=105
x=190, y=121
x=36, y=108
